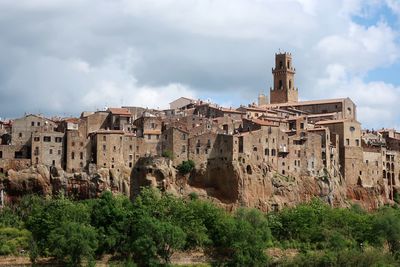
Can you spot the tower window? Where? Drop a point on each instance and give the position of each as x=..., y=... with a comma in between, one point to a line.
x=290, y=84
x=280, y=84
x=280, y=64
x=288, y=64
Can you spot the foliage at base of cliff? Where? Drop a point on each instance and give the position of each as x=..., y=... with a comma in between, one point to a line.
x=150, y=229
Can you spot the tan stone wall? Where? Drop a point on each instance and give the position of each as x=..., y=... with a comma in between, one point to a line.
x=48, y=149
x=23, y=128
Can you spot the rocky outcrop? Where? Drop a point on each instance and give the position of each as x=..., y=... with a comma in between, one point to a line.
x=231, y=184
x=43, y=180
x=234, y=184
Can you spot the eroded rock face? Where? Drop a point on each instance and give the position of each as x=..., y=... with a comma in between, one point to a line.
x=234, y=184
x=52, y=181
x=230, y=184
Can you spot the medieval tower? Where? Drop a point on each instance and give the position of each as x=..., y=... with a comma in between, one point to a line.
x=284, y=90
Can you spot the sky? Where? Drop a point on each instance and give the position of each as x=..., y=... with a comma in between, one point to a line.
x=61, y=57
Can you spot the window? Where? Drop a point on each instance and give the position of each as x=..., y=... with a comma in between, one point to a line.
x=51, y=151
x=149, y=136
x=158, y=136
x=54, y=163
x=81, y=143
x=273, y=152
x=104, y=138
x=73, y=144
x=58, y=139
x=352, y=129
x=81, y=155
x=46, y=138
x=1, y=154
x=347, y=142
x=290, y=84
x=32, y=123
x=197, y=150
x=73, y=155
x=20, y=135
x=59, y=152
x=130, y=147
x=38, y=123
x=104, y=147
x=357, y=142
x=36, y=139
x=266, y=152
x=183, y=149
x=153, y=125
x=114, y=148
x=280, y=86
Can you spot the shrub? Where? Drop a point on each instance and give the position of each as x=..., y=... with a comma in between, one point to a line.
x=168, y=154
x=186, y=166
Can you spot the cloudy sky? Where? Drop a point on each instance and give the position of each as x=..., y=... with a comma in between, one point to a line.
x=63, y=57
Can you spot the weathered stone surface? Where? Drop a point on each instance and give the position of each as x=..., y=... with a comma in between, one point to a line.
x=52, y=181
x=233, y=184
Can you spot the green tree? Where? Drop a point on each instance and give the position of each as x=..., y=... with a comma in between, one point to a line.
x=110, y=216
x=72, y=242
x=186, y=166
x=387, y=228
x=168, y=154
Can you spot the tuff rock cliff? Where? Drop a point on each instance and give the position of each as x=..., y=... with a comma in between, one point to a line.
x=230, y=184
x=233, y=184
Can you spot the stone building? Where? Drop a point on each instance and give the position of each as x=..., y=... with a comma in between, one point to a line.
x=284, y=90
x=120, y=119
x=48, y=149
x=176, y=141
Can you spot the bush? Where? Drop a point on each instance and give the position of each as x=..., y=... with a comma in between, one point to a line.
x=167, y=154
x=186, y=166
x=72, y=242
x=13, y=240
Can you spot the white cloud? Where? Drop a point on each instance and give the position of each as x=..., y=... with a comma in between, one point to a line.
x=75, y=55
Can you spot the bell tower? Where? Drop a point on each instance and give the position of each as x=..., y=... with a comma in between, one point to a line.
x=284, y=90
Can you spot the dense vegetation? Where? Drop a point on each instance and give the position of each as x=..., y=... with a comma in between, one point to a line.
x=147, y=232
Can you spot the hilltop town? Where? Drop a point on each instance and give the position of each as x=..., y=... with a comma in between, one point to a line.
x=277, y=152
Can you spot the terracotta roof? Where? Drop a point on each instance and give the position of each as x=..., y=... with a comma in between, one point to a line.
x=152, y=132
x=254, y=109
x=228, y=110
x=120, y=111
x=72, y=120
x=262, y=122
